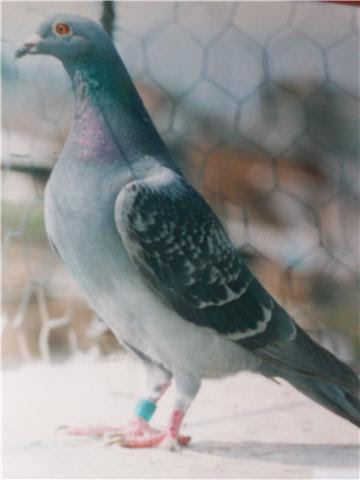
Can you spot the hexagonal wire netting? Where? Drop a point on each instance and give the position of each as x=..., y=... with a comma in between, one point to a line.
x=259, y=104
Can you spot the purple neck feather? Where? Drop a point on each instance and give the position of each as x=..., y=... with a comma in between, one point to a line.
x=110, y=122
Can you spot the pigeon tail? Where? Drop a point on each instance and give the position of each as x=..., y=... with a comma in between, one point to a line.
x=315, y=372
x=331, y=396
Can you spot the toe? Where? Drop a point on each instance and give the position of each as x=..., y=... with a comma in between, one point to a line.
x=88, y=431
x=145, y=441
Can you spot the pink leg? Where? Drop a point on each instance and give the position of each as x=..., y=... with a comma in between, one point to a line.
x=173, y=431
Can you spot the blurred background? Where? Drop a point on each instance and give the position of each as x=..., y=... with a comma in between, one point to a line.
x=259, y=103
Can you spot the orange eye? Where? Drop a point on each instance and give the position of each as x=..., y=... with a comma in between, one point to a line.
x=62, y=29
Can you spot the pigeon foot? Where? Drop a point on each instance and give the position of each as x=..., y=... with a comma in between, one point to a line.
x=139, y=434
x=148, y=440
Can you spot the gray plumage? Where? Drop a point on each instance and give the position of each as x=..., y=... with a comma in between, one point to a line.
x=149, y=254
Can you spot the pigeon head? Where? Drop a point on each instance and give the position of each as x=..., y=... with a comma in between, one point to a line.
x=99, y=77
x=70, y=38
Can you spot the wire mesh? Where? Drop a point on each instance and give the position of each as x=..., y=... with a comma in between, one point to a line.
x=259, y=104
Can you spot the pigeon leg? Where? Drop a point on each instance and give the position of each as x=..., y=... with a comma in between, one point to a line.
x=158, y=381
x=187, y=386
x=148, y=437
x=138, y=432
x=172, y=436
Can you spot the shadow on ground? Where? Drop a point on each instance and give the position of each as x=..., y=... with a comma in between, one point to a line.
x=327, y=455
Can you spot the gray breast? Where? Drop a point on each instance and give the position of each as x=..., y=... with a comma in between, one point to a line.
x=79, y=216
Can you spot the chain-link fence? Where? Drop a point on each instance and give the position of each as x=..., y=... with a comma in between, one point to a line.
x=259, y=103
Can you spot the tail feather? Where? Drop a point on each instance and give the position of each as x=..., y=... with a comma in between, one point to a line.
x=316, y=372
x=329, y=395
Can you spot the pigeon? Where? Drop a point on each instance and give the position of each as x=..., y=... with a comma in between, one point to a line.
x=151, y=257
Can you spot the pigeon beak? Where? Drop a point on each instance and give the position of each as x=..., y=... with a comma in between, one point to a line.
x=30, y=46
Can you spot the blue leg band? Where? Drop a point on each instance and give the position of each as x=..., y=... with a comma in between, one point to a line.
x=145, y=409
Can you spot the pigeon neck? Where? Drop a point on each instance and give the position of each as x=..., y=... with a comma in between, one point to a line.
x=95, y=82
x=110, y=114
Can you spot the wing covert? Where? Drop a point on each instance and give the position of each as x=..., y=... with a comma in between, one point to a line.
x=180, y=247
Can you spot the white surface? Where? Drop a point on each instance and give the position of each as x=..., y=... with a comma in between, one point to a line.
x=242, y=427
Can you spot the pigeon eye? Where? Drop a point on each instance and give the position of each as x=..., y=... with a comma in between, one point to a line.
x=62, y=28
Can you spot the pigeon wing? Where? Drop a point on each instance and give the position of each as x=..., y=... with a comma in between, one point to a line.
x=180, y=247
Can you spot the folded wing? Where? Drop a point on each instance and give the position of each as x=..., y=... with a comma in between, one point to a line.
x=181, y=249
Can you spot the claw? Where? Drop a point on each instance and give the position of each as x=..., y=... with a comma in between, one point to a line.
x=62, y=429
x=183, y=440
x=114, y=440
